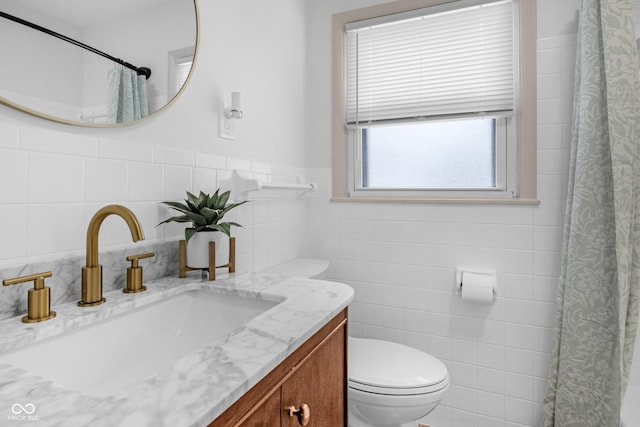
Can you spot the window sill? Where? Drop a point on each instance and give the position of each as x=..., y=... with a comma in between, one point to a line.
x=532, y=202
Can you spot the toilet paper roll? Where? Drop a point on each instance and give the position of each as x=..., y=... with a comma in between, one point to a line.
x=477, y=288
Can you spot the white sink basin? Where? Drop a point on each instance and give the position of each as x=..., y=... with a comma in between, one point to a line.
x=108, y=357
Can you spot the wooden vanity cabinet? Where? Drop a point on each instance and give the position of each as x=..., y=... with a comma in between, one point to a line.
x=315, y=375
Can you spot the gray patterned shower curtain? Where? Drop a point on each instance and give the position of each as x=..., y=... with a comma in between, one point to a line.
x=126, y=96
x=598, y=292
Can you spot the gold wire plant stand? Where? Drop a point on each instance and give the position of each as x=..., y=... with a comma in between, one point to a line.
x=182, y=259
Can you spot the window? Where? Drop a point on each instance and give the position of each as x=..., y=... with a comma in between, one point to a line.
x=183, y=67
x=442, y=155
x=180, y=62
x=430, y=102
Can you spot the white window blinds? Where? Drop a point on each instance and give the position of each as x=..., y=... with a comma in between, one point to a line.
x=441, y=62
x=183, y=67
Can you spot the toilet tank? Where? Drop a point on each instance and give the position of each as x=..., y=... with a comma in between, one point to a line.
x=301, y=267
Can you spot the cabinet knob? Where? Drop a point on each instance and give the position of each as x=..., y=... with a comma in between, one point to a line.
x=303, y=413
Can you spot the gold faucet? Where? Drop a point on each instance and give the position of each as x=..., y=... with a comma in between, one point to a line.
x=92, y=272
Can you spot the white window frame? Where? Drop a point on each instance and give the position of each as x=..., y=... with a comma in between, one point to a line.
x=175, y=58
x=519, y=151
x=505, y=176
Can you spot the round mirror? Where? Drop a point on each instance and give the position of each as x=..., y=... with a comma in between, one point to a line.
x=96, y=63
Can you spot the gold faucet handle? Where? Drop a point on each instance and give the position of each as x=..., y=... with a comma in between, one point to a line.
x=38, y=297
x=37, y=278
x=134, y=258
x=134, y=274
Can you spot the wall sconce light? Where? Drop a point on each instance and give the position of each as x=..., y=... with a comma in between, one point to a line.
x=235, y=111
x=232, y=112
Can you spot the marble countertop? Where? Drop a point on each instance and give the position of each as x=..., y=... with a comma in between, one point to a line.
x=194, y=390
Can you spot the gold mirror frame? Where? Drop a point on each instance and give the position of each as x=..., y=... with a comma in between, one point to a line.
x=50, y=117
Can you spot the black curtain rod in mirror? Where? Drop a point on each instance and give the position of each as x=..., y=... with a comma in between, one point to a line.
x=143, y=71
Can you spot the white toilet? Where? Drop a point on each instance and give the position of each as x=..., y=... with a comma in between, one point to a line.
x=390, y=384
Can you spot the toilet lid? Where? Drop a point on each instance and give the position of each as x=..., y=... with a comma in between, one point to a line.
x=388, y=365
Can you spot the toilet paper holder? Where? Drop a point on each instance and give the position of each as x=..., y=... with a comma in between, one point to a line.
x=460, y=278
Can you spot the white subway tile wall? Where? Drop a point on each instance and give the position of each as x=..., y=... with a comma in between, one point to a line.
x=52, y=183
x=401, y=260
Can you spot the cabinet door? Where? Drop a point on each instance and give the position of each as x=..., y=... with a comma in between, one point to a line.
x=314, y=374
x=320, y=382
x=267, y=414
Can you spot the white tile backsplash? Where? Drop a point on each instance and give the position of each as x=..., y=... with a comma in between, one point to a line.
x=105, y=180
x=541, y=361
x=516, y=286
x=210, y=161
x=493, y=332
x=466, y=400
x=549, y=85
x=549, y=213
x=173, y=156
x=176, y=181
x=13, y=176
x=124, y=150
x=549, y=137
x=51, y=188
x=518, y=361
x=491, y=405
x=491, y=380
x=519, y=411
x=13, y=229
x=144, y=181
x=465, y=352
x=8, y=136
x=550, y=162
x=47, y=141
x=519, y=386
x=484, y=421
x=55, y=228
x=416, y=321
x=549, y=111
x=519, y=336
x=464, y=375
x=549, y=59
x=438, y=346
x=54, y=178
x=205, y=180
x=239, y=164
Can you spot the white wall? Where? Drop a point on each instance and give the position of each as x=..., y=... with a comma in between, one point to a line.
x=53, y=177
x=31, y=71
x=401, y=258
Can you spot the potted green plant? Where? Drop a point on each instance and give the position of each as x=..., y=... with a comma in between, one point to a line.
x=205, y=213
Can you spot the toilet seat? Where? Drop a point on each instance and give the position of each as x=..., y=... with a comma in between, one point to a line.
x=389, y=368
x=398, y=391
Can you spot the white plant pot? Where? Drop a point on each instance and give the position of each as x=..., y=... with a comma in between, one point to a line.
x=198, y=249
